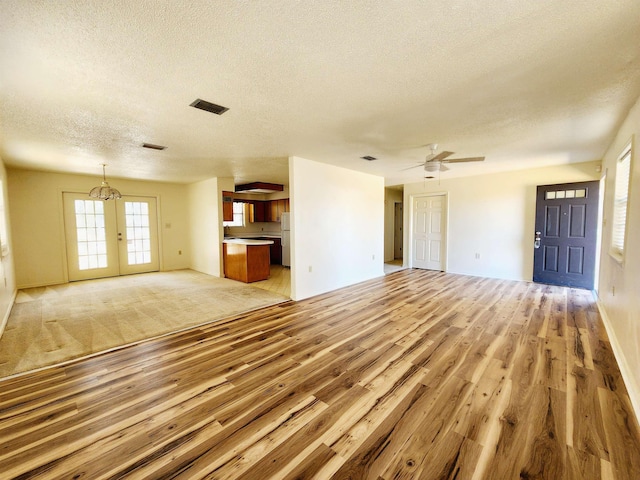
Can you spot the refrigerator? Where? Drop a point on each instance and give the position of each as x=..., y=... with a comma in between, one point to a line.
x=285, y=222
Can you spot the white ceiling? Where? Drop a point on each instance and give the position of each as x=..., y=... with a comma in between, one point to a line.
x=525, y=83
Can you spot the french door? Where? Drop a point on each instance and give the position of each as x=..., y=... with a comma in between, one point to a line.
x=109, y=238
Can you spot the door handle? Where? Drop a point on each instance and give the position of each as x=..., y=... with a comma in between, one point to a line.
x=536, y=243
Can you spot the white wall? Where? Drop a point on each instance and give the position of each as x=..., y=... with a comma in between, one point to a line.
x=205, y=214
x=493, y=215
x=37, y=226
x=8, y=282
x=619, y=288
x=337, y=227
x=391, y=197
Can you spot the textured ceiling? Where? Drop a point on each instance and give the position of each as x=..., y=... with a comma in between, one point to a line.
x=525, y=83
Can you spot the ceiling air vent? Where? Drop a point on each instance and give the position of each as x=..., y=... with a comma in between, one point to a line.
x=369, y=158
x=208, y=106
x=154, y=147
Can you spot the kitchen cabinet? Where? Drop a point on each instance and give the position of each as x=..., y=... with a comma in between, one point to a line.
x=227, y=206
x=258, y=211
x=276, y=208
x=276, y=251
x=246, y=260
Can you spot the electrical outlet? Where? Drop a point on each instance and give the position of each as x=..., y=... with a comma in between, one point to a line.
x=179, y=252
x=477, y=256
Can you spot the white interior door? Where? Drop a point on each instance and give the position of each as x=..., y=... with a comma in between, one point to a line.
x=428, y=235
x=109, y=238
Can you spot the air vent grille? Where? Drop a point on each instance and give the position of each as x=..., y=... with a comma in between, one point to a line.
x=154, y=147
x=369, y=158
x=208, y=106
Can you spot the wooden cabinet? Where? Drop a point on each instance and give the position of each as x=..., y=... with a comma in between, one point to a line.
x=246, y=263
x=276, y=251
x=257, y=211
x=276, y=208
x=227, y=206
x=273, y=211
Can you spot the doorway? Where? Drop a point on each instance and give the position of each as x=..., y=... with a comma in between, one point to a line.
x=397, y=231
x=566, y=234
x=428, y=235
x=106, y=239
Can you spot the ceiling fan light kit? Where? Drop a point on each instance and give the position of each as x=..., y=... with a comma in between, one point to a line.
x=434, y=162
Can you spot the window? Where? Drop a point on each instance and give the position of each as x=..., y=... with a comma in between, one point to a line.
x=238, y=216
x=621, y=203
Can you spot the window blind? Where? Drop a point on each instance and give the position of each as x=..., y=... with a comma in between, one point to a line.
x=620, y=203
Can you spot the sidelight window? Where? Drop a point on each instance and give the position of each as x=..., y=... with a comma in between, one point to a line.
x=621, y=204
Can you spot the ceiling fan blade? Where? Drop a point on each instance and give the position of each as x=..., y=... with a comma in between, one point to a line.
x=462, y=160
x=440, y=157
x=415, y=166
x=444, y=168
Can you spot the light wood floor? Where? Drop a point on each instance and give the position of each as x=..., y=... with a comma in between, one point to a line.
x=417, y=374
x=279, y=281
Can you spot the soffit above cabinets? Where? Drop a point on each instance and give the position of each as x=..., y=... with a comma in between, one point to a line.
x=259, y=187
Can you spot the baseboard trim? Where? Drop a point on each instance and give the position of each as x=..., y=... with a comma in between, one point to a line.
x=8, y=312
x=625, y=370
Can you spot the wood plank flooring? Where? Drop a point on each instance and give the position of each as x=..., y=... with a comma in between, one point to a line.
x=418, y=374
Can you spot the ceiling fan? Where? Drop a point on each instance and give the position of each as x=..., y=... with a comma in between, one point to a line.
x=434, y=162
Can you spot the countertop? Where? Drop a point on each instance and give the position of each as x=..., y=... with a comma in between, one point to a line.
x=247, y=241
x=254, y=235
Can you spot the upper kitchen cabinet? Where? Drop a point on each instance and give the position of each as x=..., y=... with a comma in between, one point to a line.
x=227, y=206
x=277, y=208
x=258, y=211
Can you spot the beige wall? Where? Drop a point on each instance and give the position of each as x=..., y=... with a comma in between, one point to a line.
x=619, y=289
x=35, y=199
x=337, y=227
x=8, y=282
x=494, y=216
x=205, y=212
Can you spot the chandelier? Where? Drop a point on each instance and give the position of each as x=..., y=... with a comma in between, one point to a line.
x=104, y=191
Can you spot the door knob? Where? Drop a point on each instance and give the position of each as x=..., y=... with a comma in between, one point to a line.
x=536, y=243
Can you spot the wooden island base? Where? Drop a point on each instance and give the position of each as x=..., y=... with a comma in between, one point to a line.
x=246, y=262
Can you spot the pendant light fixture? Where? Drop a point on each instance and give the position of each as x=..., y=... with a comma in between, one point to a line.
x=104, y=191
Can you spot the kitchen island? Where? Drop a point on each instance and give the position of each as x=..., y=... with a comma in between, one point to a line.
x=246, y=260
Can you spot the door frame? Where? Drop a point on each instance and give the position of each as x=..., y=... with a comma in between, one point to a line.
x=63, y=236
x=398, y=233
x=445, y=227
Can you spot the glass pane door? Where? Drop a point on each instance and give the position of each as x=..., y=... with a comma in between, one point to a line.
x=92, y=250
x=137, y=235
x=109, y=238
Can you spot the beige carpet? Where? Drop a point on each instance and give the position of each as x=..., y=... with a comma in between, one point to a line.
x=50, y=325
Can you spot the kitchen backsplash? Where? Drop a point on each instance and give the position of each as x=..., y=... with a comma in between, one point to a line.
x=253, y=228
